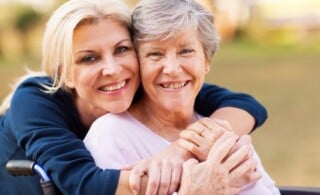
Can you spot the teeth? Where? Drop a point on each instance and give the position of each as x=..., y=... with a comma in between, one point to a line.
x=114, y=87
x=174, y=85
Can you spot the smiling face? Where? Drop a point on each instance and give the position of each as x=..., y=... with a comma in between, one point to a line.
x=105, y=71
x=173, y=71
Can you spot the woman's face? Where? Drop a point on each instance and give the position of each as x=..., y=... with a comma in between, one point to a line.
x=105, y=71
x=172, y=72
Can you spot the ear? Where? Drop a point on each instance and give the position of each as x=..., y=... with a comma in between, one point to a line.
x=69, y=81
x=207, y=67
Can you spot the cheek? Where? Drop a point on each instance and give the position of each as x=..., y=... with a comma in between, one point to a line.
x=131, y=62
x=83, y=78
x=148, y=70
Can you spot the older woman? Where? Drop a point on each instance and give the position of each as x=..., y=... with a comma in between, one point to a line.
x=89, y=68
x=175, y=40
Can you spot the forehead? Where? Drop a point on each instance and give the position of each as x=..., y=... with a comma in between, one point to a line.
x=181, y=38
x=107, y=23
x=106, y=29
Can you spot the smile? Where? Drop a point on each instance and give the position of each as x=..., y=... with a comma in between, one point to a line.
x=113, y=87
x=174, y=85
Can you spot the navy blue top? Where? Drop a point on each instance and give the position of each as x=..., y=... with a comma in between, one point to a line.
x=47, y=128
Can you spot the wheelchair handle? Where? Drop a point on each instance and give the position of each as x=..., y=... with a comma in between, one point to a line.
x=31, y=168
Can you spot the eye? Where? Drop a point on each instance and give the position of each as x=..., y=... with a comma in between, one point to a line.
x=186, y=52
x=122, y=49
x=89, y=59
x=154, y=55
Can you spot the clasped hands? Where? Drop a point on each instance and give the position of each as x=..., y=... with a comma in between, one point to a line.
x=207, y=159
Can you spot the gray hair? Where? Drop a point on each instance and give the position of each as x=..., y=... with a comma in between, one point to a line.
x=164, y=19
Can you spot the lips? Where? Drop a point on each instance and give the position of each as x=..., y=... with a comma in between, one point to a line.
x=114, y=86
x=174, y=85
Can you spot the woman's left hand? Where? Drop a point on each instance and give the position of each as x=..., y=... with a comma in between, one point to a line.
x=200, y=136
x=163, y=175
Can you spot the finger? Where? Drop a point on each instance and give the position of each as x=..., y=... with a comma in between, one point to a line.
x=128, y=167
x=175, y=179
x=191, y=147
x=214, y=136
x=192, y=137
x=243, y=140
x=236, y=158
x=240, y=171
x=196, y=126
x=189, y=163
x=201, y=140
x=222, y=147
x=235, y=190
x=224, y=123
x=254, y=176
x=165, y=178
x=212, y=126
x=153, y=178
x=135, y=179
x=250, y=176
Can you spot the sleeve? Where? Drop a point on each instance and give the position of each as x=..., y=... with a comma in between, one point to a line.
x=265, y=185
x=41, y=130
x=213, y=97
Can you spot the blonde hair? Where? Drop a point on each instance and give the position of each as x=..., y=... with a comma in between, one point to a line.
x=58, y=36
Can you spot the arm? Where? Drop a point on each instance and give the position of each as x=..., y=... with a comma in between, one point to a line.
x=237, y=108
x=241, y=121
x=38, y=121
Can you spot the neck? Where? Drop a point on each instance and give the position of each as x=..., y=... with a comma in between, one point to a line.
x=165, y=123
x=87, y=114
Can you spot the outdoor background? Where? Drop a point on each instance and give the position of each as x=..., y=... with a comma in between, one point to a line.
x=270, y=49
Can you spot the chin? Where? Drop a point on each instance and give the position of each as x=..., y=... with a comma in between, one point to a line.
x=119, y=108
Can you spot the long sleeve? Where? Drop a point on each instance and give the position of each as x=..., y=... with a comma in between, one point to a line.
x=265, y=185
x=47, y=129
x=213, y=97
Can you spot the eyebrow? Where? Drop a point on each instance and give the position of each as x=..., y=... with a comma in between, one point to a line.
x=187, y=44
x=151, y=47
x=90, y=50
x=123, y=40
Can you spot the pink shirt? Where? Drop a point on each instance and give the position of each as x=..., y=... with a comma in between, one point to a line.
x=115, y=140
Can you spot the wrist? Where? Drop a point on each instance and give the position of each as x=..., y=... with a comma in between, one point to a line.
x=184, y=153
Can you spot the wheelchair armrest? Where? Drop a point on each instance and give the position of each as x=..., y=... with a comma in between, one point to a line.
x=299, y=190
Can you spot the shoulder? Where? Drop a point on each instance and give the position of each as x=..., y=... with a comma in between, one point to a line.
x=36, y=81
x=110, y=119
x=110, y=126
x=33, y=87
x=30, y=100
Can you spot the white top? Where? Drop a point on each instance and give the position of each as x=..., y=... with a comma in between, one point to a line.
x=115, y=140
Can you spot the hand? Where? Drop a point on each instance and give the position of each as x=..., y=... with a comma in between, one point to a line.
x=162, y=175
x=246, y=172
x=199, y=137
x=213, y=175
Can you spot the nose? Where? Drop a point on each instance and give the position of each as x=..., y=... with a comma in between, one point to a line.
x=110, y=67
x=172, y=65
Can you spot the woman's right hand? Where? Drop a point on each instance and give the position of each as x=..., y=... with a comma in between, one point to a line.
x=245, y=172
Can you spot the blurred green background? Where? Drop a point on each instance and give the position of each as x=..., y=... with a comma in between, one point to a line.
x=270, y=49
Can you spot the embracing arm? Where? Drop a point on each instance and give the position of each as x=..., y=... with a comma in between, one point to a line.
x=242, y=111
x=39, y=123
